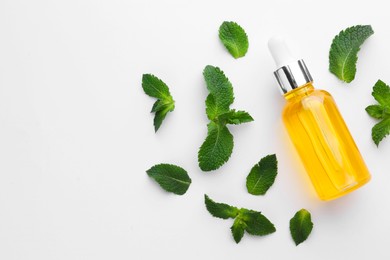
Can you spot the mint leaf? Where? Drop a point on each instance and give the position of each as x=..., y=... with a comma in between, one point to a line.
x=376, y=111
x=170, y=177
x=262, y=175
x=220, y=210
x=212, y=110
x=218, y=146
x=381, y=93
x=155, y=87
x=216, y=149
x=381, y=130
x=301, y=226
x=256, y=223
x=234, y=39
x=160, y=105
x=220, y=89
x=238, y=229
x=344, y=49
x=235, y=117
x=247, y=220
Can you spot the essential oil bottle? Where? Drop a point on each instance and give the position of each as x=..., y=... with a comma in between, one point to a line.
x=317, y=129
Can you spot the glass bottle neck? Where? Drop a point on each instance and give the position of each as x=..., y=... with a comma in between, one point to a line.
x=301, y=91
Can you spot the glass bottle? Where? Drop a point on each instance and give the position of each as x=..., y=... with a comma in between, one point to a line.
x=317, y=129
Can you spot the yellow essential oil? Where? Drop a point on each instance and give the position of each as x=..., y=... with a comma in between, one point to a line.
x=322, y=139
x=317, y=130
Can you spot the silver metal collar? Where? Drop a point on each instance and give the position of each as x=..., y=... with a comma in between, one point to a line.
x=293, y=76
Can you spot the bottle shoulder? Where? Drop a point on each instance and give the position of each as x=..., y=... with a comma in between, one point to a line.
x=324, y=92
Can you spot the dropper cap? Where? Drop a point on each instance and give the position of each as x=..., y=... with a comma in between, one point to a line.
x=290, y=73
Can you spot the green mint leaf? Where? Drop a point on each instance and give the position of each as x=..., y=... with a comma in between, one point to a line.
x=381, y=93
x=220, y=89
x=262, y=175
x=238, y=229
x=234, y=39
x=160, y=105
x=235, y=117
x=220, y=210
x=159, y=117
x=164, y=104
x=155, y=87
x=381, y=130
x=216, y=149
x=301, y=226
x=170, y=177
x=161, y=114
x=376, y=111
x=256, y=223
x=218, y=146
x=344, y=49
x=212, y=111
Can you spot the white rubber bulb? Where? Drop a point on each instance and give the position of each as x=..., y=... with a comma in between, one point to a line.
x=279, y=51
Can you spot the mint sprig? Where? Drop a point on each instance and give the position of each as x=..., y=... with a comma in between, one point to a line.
x=301, y=226
x=234, y=39
x=253, y=222
x=344, y=49
x=381, y=93
x=171, y=178
x=155, y=87
x=262, y=176
x=218, y=146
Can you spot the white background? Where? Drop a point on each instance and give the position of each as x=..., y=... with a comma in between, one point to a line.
x=76, y=135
